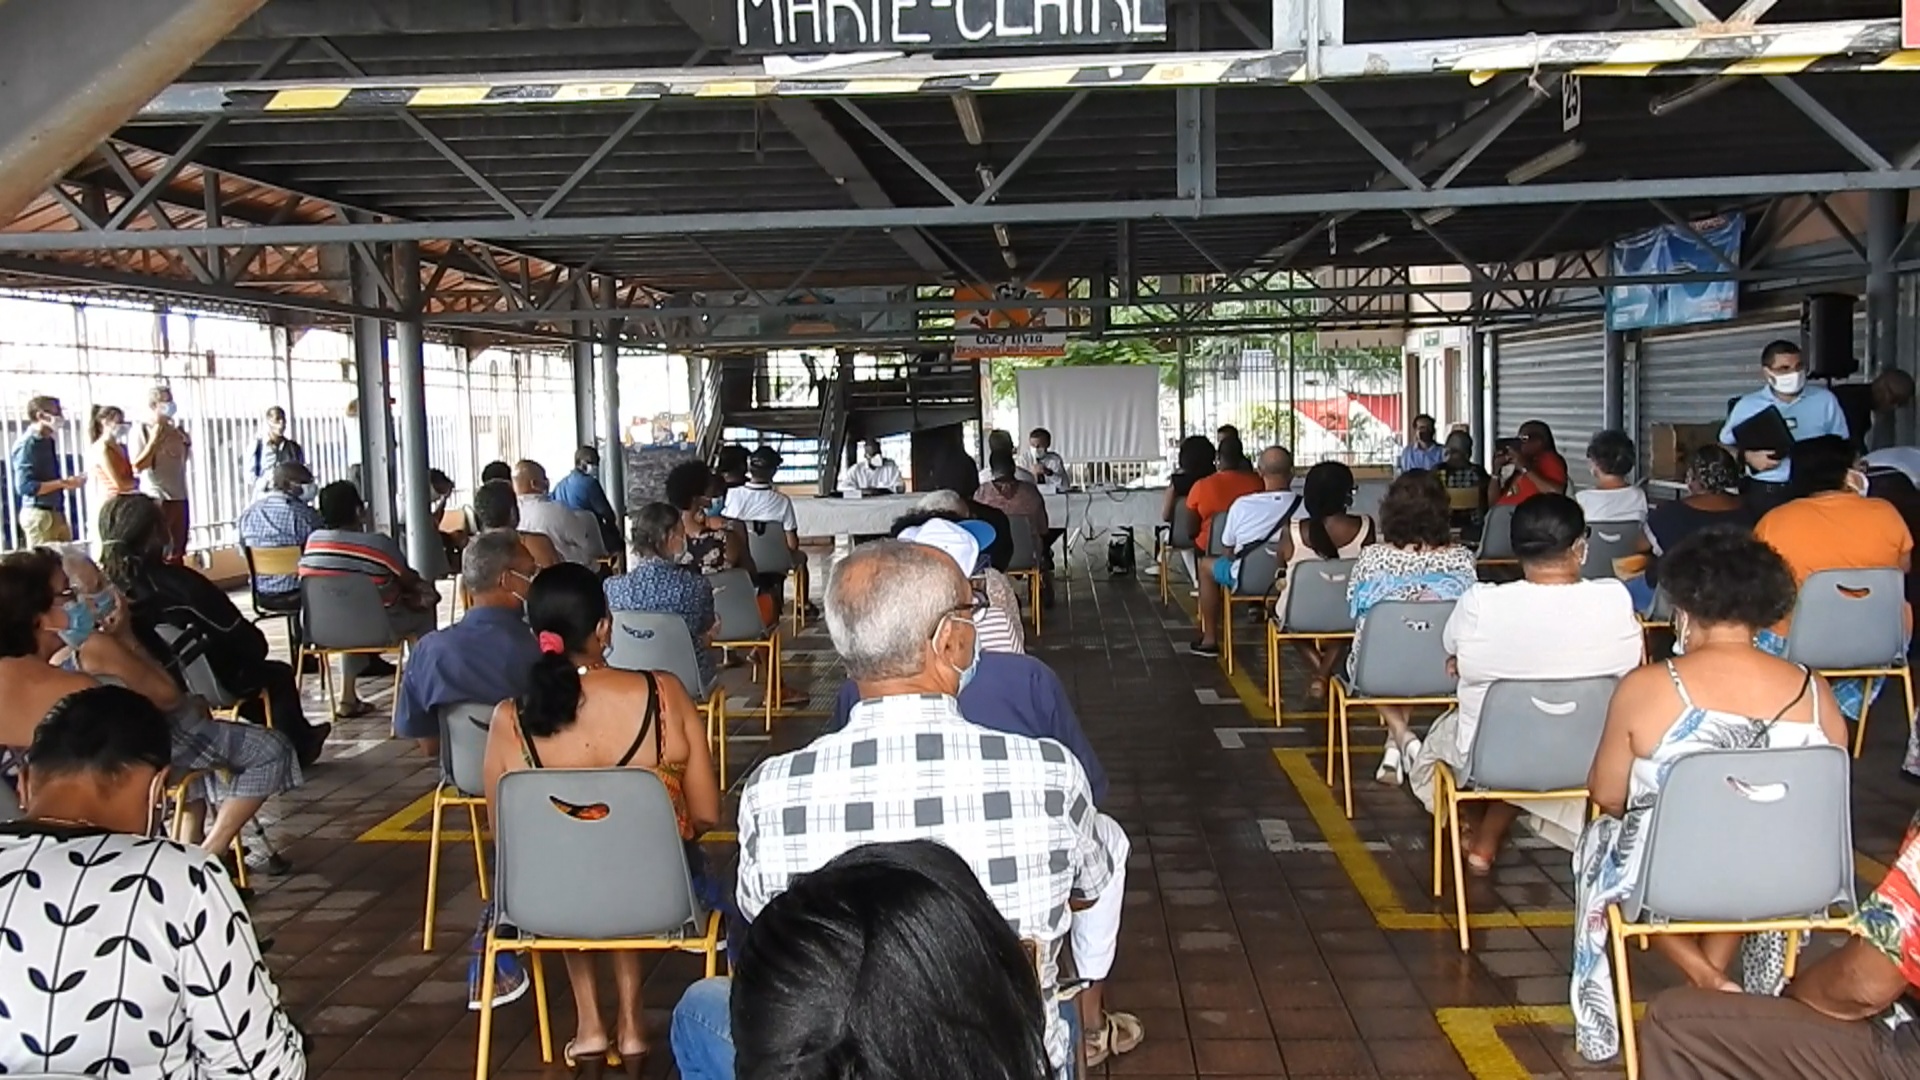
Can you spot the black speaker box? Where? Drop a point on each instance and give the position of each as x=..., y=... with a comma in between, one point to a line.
x=1826, y=334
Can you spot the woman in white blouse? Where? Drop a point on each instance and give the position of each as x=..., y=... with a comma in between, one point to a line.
x=126, y=956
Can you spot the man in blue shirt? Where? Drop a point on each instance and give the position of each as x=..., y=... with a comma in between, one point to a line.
x=36, y=477
x=482, y=659
x=1016, y=694
x=1423, y=452
x=282, y=517
x=581, y=490
x=1810, y=412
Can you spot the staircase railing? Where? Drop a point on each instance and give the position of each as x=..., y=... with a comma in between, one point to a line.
x=833, y=434
x=708, y=419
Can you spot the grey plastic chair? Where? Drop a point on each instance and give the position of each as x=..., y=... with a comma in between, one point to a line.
x=1316, y=611
x=343, y=616
x=189, y=650
x=650, y=641
x=737, y=607
x=1496, y=535
x=1740, y=841
x=1181, y=534
x=1535, y=739
x=1259, y=571
x=1024, y=564
x=618, y=824
x=1398, y=659
x=767, y=544
x=1607, y=541
x=1852, y=624
x=463, y=782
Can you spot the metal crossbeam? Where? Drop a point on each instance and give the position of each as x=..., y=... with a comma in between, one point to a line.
x=594, y=159
x=911, y=160
x=1829, y=123
x=1686, y=226
x=1033, y=145
x=1387, y=158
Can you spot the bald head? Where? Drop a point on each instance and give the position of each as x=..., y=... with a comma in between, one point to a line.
x=529, y=478
x=1276, y=467
x=885, y=606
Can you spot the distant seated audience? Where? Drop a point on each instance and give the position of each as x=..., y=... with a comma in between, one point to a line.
x=496, y=507
x=578, y=713
x=954, y=473
x=998, y=440
x=348, y=546
x=1016, y=498
x=1614, y=496
x=482, y=659
x=1255, y=520
x=1712, y=498
x=1719, y=692
x=713, y=544
x=282, y=516
x=851, y=973
x=1530, y=465
x=1210, y=496
x=657, y=583
x=1549, y=625
x=1467, y=482
x=1193, y=464
x=763, y=509
x=581, y=491
x=168, y=979
x=575, y=533
x=1418, y=560
x=1330, y=530
x=965, y=539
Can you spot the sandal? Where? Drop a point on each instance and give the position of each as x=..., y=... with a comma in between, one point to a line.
x=588, y=1064
x=1478, y=865
x=631, y=1062
x=1317, y=689
x=1119, y=1035
x=1389, y=771
x=352, y=711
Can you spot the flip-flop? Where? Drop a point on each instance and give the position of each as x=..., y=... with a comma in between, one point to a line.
x=1120, y=1034
x=353, y=711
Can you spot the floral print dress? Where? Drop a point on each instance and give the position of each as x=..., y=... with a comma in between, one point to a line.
x=1385, y=573
x=1608, y=860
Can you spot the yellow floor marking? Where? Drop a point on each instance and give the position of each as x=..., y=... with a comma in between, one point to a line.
x=1381, y=898
x=411, y=824
x=1475, y=1035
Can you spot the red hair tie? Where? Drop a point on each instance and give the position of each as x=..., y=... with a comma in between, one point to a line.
x=550, y=643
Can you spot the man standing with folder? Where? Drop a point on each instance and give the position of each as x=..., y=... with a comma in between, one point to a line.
x=1807, y=411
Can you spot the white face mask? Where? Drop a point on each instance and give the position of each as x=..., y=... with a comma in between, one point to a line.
x=1857, y=483
x=876, y=460
x=1787, y=384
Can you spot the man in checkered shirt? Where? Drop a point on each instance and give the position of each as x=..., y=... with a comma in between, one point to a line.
x=909, y=766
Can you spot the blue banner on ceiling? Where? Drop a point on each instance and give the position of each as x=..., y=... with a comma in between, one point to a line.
x=1669, y=249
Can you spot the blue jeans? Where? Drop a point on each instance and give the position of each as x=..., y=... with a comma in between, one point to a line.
x=703, y=1031
x=1641, y=592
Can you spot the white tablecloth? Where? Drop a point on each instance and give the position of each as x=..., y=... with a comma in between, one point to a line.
x=1088, y=511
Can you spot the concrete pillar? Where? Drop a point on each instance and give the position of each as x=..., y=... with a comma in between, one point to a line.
x=1613, y=380
x=613, y=453
x=375, y=477
x=586, y=418
x=410, y=382
x=1482, y=366
x=1886, y=226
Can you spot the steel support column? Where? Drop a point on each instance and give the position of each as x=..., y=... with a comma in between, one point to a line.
x=410, y=384
x=75, y=71
x=613, y=454
x=585, y=414
x=1886, y=225
x=1486, y=392
x=1613, y=380
x=376, y=420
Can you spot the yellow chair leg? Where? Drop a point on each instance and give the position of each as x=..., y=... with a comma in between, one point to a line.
x=1346, y=757
x=433, y=868
x=479, y=847
x=1226, y=630
x=1793, y=953
x=490, y=958
x=1166, y=592
x=542, y=1008
x=1623, y=988
x=1442, y=806
x=1274, y=677
x=1866, y=706
x=239, y=863
x=1334, y=695
x=1035, y=591
x=1459, y=871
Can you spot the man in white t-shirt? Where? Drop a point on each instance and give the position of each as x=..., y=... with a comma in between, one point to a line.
x=1252, y=520
x=756, y=501
x=874, y=474
x=1551, y=625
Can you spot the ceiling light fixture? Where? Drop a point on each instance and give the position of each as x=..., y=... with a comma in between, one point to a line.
x=1435, y=217
x=1000, y=236
x=971, y=126
x=1564, y=154
x=1687, y=95
x=1006, y=256
x=1368, y=245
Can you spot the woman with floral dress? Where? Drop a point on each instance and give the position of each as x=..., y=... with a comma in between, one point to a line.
x=1719, y=692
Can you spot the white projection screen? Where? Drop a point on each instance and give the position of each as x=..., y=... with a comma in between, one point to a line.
x=1095, y=413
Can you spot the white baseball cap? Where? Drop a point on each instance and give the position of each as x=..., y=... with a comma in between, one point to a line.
x=961, y=540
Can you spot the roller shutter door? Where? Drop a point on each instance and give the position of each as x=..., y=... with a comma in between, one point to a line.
x=1554, y=376
x=1687, y=376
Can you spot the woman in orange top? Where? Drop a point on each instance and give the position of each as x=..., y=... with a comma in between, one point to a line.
x=578, y=713
x=1537, y=466
x=108, y=471
x=1214, y=494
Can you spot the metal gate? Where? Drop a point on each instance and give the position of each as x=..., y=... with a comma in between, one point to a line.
x=1687, y=376
x=1554, y=376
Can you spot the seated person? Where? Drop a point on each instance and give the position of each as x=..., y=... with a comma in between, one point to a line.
x=1048, y=467
x=756, y=502
x=873, y=474
x=1255, y=519
x=49, y=649
x=578, y=713
x=575, y=533
x=580, y=490
x=1719, y=692
x=1614, y=496
x=484, y=658
x=496, y=507
x=1329, y=530
x=1530, y=465
x=172, y=964
x=1712, y=498
x=1018, y=498
x=900, y=617
x=1211, y=496
x=657, y=583
x=1418, y=560
x=998, y=440
x=159, y=593
x=1549, y=625
x=346, y=546
x=999, y=622
x=713, y=543
x=1842, y=1015
x=1461, y=474
x=955, y=474
x=1194, y=464
x=1831, y=525
x=858, y=962
x=283, y=516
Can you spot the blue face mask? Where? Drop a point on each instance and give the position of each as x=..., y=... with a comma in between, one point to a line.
x=79, y=623
x=307, y=493
x=973, y=666
x=168, y=409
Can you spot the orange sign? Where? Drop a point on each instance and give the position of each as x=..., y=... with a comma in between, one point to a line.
x=1006, y=330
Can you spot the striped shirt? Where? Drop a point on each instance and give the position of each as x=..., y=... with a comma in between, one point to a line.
x=332, y=552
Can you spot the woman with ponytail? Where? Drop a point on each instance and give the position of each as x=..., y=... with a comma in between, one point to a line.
x=109, y=473
x=1330, y=531
x=578, y=713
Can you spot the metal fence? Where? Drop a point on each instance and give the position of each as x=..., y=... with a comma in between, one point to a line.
x=226, y=370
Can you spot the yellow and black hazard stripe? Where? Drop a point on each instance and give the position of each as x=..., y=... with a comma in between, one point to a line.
x=1856, y=46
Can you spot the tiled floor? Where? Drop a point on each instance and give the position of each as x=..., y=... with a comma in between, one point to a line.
x=1264, y=934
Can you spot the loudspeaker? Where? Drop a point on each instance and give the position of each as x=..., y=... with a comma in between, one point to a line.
x=1826, y=333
